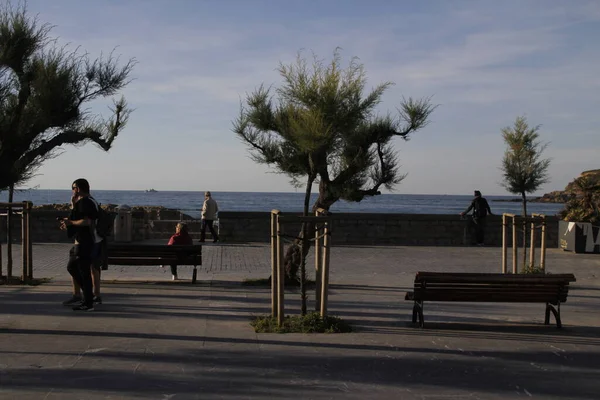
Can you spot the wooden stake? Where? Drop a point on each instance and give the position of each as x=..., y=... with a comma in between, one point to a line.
x=504, y=244
x=532, y=246
x=280, y=274
x=274, y=264
x=29, y=242
x=543, y=245
x=24, y=243
x=318, y=267
x=325, y=279
x=514, y=244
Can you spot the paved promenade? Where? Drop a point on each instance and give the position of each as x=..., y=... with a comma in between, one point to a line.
x=157, y=339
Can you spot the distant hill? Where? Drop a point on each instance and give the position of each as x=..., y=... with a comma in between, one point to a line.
x=562, y=196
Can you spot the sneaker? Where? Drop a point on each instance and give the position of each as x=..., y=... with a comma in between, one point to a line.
x=97, y=300
x=74, y=300
x=174, y=277
x=83, y=307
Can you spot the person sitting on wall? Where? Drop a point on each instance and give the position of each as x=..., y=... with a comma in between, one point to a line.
x=181, y=237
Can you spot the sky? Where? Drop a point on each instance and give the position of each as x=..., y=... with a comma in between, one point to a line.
x=483, y=62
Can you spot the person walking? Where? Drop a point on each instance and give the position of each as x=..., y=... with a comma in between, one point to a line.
x=481, y=209
x=209, y=214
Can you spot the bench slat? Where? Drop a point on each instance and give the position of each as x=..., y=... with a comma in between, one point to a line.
x=154, y=261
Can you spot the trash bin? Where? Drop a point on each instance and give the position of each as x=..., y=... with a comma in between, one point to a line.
x=123, y=224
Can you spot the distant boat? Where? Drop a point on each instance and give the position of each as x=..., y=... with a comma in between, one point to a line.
x=151, y=191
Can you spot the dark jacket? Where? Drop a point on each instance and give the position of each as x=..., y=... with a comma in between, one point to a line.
x=480, y=207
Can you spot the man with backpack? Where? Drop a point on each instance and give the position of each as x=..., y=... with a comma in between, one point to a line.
x=481, y=209
x=84, y=255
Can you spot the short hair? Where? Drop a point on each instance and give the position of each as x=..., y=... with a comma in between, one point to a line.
x=477, y=193
x=183, y=226
x=207, y=194
x=82, y=184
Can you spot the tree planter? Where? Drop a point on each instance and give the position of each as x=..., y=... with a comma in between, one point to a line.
x=579, y=237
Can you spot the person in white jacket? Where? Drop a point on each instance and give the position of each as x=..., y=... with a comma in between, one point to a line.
x=209, y=214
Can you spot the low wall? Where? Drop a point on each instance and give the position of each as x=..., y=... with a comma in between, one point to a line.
x=379, y=229
x=351, y=229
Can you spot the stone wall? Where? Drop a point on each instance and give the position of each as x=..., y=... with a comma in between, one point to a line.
x=378, y=229
x=352, y=229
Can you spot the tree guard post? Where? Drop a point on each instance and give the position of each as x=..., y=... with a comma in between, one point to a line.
x=325, y=278
x=274, y=264
x=532, y=244
x=29, y=243
x=504, y=244
x=543, y=245
x=280, y=273
x=514, y=244
x=24, y=245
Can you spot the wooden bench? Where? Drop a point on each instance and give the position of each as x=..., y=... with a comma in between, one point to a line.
x=154, y=254
x=500, y=288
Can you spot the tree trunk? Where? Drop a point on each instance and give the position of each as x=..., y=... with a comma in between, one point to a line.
x=295, y=252
x=524, y=230
x=9, y=259
x=305, y=244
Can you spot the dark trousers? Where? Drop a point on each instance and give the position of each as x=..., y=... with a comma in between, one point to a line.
x=174, y=269
x=79, y=266
x=209, y=223
x=479, y=224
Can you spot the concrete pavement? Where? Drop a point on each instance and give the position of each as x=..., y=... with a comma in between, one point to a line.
x=157, y=339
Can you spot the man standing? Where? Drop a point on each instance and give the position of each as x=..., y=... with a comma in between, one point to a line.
x=481, y=209
x=209, y=214
x=81, y=226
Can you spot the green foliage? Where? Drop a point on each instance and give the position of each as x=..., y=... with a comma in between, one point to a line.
x=320, y=124
x=531, y=269
x=43, y=89
x=585, y=205
x=309, y=323
x=524, y=170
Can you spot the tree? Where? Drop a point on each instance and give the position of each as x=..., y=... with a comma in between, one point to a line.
x=320, y=127
x=43, y=89
x=585, y=205
x=524, y=170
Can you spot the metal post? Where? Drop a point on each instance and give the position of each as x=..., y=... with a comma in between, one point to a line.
x=532, y=245
x=318, y=266
x=29, y=243
x=503, y=243
x=274, y=263
x=325, y=279
x=514, y=244
x=543, y=245
x=23, y=243
x=281, y=274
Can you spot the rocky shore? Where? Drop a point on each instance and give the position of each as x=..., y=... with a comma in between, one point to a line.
x=561, y=196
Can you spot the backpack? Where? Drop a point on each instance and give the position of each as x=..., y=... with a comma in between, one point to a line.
x=479, y=209
x=105, y=221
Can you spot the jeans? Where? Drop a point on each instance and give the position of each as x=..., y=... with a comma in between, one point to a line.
x=479, y=224
x=209, y=223
x=80, y=260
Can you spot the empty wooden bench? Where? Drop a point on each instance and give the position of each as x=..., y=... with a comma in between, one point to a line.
x=499, y=288
x=154, y=254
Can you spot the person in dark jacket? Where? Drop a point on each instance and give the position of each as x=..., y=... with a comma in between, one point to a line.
x=181, y=237
x=481, y=209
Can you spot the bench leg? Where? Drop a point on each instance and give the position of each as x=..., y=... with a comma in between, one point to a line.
x=555, y=312
x=418, y=313
x=194, y=274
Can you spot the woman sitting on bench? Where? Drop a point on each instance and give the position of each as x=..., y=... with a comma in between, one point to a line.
x=181, y=237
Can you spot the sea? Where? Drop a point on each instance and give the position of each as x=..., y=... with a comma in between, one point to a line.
x=191, y=202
